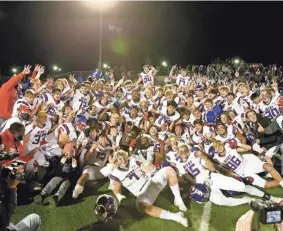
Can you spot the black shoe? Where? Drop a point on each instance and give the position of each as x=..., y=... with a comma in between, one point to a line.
x=39, y=199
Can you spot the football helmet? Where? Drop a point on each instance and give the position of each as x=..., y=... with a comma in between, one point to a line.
x=200, y=193
x=105, y=207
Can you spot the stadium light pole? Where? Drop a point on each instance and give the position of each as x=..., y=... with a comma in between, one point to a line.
x=101, y=5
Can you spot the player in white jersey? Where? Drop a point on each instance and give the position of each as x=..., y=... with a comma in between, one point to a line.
x=81, y=98
x=195, y=163
x=268, y=107
x=182, y=79
x=145, y=187
x=133, y=116
x=167, y=114
x=247, y=165
x=96, y=159
x=203, y=135
x=36, y=132
x=147, y=76
x=53, y=102
x=28, y=100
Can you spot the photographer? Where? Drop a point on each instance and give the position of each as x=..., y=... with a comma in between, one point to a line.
x=8, y=203
x=269, y=213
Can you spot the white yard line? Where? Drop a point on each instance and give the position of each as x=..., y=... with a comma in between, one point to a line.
x=205, y=218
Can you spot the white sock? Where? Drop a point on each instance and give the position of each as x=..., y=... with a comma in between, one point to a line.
x=176, y=192
x=281, y=183
x=166, y=215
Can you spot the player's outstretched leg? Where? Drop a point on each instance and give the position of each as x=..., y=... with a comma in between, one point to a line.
x=172, y=179
x=79, y=188
x=155, y=211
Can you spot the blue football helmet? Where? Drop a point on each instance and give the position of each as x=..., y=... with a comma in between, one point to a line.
x=105, y=207
x=200, y=193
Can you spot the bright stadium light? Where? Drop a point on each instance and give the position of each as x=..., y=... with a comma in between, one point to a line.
x=164, y=64
x=55, y=68
x=59, y=69
x=14, y=70
x=108, y=67
x=236, y=61
x=105, y=65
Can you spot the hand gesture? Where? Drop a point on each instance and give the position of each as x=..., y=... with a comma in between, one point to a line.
x=111, y=159
x=72, y=77
x=26, y=70
x=74, y=162
x=260, y=128
x=41, y=70
x=37, y=67
x=174, y=67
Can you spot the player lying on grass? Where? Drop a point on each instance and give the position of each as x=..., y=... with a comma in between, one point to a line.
x=246, y=165
x=195, y=162
x=146, y=187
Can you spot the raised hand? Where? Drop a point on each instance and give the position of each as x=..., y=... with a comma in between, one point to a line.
x=26, y=70
x=37, y=67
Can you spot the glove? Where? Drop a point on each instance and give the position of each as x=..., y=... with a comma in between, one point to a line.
x=232, y=144
x=63, y=160
x=74, y=162
x=248, y=180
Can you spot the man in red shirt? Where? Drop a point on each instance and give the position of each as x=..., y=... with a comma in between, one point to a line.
x=8, y=94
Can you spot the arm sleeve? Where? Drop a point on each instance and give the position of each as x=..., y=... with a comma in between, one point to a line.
x=10, y=84
x=272, y=128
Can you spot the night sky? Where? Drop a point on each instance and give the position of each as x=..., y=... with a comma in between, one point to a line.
x=67, y=33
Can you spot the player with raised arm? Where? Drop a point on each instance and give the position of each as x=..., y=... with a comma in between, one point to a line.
x=147, y=76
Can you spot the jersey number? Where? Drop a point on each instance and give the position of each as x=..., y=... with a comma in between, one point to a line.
x=191, y=168
x=234, y=163
x=38, y=138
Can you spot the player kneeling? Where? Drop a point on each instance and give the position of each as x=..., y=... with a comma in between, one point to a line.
x=146, y=188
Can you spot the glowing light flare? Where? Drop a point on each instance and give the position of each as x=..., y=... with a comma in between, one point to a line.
x=236, y=61
x=164, y=64
x=99, y=5
x=55, y=68
x=14, y=70
x=105, y=65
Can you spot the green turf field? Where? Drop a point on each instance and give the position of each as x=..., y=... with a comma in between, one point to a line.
x=72, y=215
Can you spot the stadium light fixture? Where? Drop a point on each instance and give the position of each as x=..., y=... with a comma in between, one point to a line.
x=55, y=68
x=14, y=70
x=105, y=65
x=59, y=69
x=164, y=64
x=236, y=61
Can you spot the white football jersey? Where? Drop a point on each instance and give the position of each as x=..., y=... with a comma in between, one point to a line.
x=270, y=110
x=231, y=135
x=198, y=140
x=136, y=121
x=19, y=103
x=134, y=179
x=57, y=107
x=182, y=81
x=37, y=134
x=147, y=78
x=67, y=128
x=232, y=159
x=100, y=156
x=279, y=120
x=79, y=101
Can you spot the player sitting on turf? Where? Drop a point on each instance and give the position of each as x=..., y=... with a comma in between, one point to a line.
x=63, y=174
x=130, y=175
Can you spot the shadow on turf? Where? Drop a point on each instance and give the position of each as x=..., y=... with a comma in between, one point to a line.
x=112, y=225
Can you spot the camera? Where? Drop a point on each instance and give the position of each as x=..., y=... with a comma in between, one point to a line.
x=269, y=212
